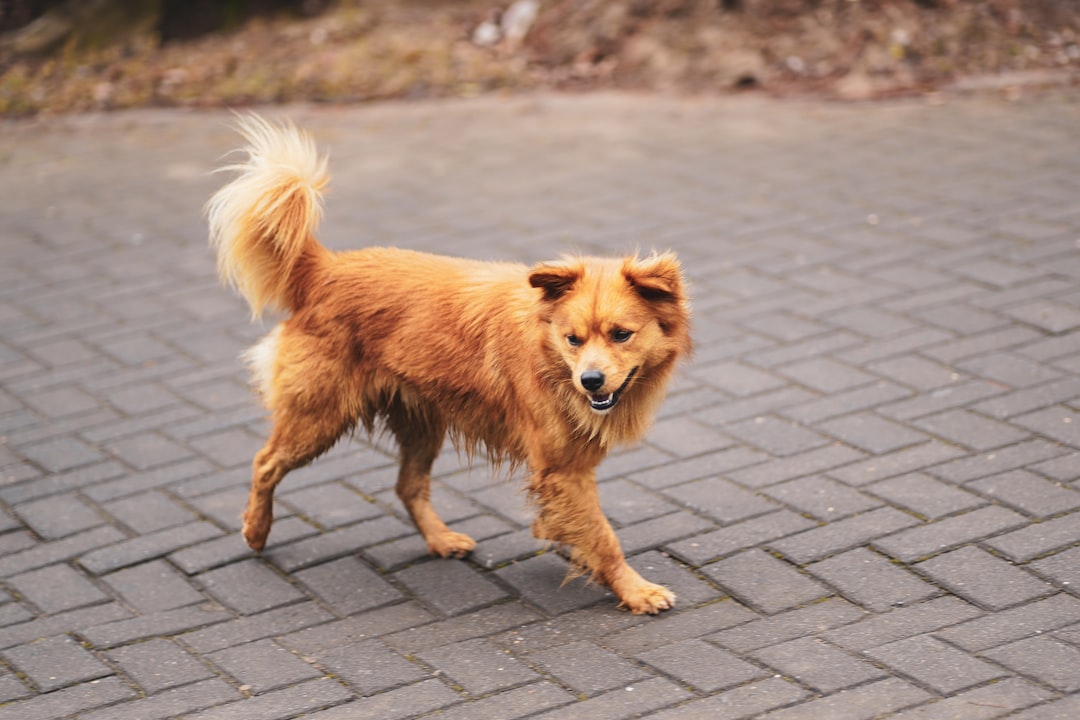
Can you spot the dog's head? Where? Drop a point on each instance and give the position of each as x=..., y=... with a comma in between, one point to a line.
x=616, y=324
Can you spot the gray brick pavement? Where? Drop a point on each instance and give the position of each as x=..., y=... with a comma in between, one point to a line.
x=864, y=488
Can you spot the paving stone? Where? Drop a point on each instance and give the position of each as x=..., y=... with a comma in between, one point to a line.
x=800, y=622
x=334, y=544
x=280, y=704
x=846, y=402
x=821, y=542
x=540, y=581
x=742, y=703
x=57, y=517
x=801, y=465
x=695, y=468
x=636, y=699
x=720, y=499
x=56, y=662
x=511, y=704
x=149, y=512
x=709, y=546
x=825, y=374
x=971, y=430
x=973, y=467
x=370, y=666
x=1028, y=493
x=1063, y=468
x=47, y=553
x=871, y=581
x=917, y=372
x=587, y=668
x=155, y=665
x=331, y=505
x=1010, y=369
x=872, y=433
x=905, y=622
x=931, y=538
x=821, y=497
x=61, y=454
x=449, y=586
x=818, y=665
x=761, y=580
x=228, y=549
x=934, y=664
x=702, y=666
x=169, y=704
x=249, y=587
x=737, y=379
x=981, y=578
x=481, y=623
x=625, y=503
x=504, y=548
x=775, y=436
x=660, y=531
x=110, y=632
x=895, y=463
x=132, y=483
x=678, y=626
x=1044, y=659
x=148, y=450
x=939, y=401
x=684, y=437
x=1034, y=618
x=592, y=623
x=56, y=588
x=348, y=586
x=924, y=495
x=479, y=666
x=1062, y=709
x=263, y=665
x=68, y=701
x=991, y=701
x=1020, y=402
x=754, y=406
x=1061, y=567
x=866, y=701
x=147, y=547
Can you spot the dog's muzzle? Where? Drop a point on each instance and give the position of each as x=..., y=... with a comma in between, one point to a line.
x=602, y=403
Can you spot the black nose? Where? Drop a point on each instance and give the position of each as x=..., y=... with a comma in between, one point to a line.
x=592, y=380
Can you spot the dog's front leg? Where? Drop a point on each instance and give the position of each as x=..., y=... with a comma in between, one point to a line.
x=569, y=512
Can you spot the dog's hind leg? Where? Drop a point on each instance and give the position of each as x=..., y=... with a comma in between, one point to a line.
x=420, y=437
x=296, y=439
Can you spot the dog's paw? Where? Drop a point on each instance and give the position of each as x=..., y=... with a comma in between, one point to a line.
x=451, y=544
x=648, y=598
x=255, y=534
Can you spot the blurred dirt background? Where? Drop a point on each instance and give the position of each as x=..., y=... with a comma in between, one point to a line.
x=61, y=56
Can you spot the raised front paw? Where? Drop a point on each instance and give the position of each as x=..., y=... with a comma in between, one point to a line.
x=450, y=544
x=647, y=598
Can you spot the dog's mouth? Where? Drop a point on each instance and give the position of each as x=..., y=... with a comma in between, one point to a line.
x=603, y=403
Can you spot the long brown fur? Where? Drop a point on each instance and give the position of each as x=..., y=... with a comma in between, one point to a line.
x=493, y=354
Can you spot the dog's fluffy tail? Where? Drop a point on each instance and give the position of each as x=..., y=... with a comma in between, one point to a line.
x=263, y=222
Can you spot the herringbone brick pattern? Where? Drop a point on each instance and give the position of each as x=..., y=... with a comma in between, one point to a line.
x=864, y=488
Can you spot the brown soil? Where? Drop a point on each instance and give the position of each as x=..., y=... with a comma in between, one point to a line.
x=374, y=49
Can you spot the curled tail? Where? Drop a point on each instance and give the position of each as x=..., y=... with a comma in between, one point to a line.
x=263, y=222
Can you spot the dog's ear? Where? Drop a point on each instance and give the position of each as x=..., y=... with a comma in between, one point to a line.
x=657, y=278
x=555, y=279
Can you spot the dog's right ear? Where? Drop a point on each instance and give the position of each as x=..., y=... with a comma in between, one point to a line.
x=555, y=279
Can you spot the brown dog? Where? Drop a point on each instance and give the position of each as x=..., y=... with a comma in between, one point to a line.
x=551, y=366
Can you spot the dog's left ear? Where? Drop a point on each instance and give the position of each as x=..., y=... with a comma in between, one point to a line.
x=555, y=279
x=657, y=278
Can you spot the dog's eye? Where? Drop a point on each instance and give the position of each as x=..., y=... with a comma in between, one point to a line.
x=573, y=340
x=620, y=335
